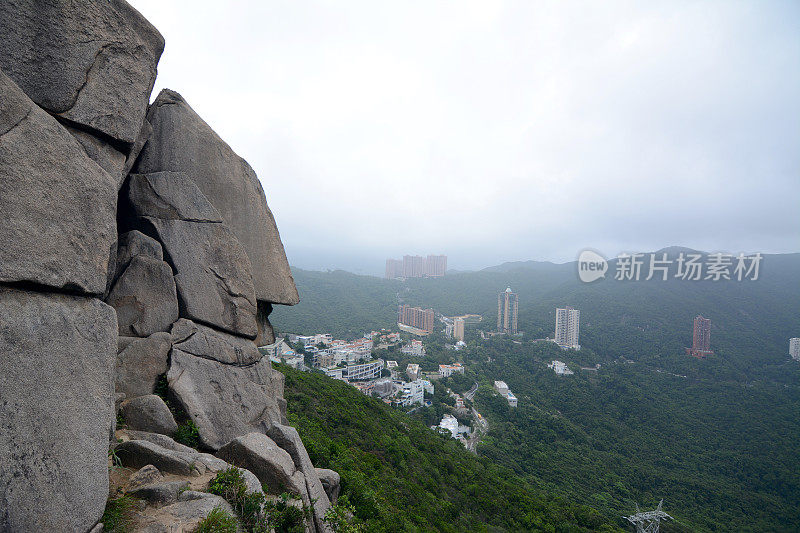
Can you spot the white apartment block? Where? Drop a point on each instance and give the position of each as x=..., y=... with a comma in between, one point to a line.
x=794, y=348
x=560, y=368
x=412, y=392
x=568, y=328
x=362, y=371
x=412, y=371
x=512, y=400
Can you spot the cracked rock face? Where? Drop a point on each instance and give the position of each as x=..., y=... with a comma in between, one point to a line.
x=224, y=401
x=202, y=341
x=90, y=62
x=183, y=142
x=58, y=206
x=56, y=410
x=144, y=297
x=212, y=272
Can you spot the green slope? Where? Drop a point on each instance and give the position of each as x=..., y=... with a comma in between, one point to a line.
x=401, y=476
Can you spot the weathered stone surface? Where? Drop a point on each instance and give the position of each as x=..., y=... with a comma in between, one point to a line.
x=148, y=413
x=146, y=475
x=213, y=274
x=164, y=441
x=169, y=196
x=330, y=482
x=56, y=410
x=266, y=335
x=258, y=453
x=183, y=142
x=91, y=62
x=140, y=362
x=287, y=438
x=133, y=243
x=162, y=492
x=202, y=341
x=58, y=206
x=101, y=152
x=144, y=297
x=140, y=453
x=182, y=516
x=224, y=401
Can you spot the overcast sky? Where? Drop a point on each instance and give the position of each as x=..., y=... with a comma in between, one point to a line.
x=499, y=131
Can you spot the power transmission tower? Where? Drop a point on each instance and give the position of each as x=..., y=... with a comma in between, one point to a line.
x=648, y=521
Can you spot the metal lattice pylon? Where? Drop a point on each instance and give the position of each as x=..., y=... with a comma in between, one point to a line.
x=648, y=521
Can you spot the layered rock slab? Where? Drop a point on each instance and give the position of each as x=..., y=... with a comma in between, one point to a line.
x=183, y=142
x=59, y=207
x=212, y=272
x=203, y=341
x=288, y=438
x=259, y=454
x=224, y=401
x=56, y=410
x=89, y=62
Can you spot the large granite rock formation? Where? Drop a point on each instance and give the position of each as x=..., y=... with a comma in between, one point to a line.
x=185, y=253
x=56, y=410
x=58, y=207
x=89, y=62
x=183, y=142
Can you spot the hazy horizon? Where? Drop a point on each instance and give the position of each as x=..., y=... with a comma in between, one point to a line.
x=503, y=131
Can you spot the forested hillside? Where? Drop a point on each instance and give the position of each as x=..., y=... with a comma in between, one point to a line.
x=338, y=302
x=401, y=476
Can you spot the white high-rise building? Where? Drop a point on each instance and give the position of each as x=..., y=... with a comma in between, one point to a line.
x=794, y=348
x=568, y=324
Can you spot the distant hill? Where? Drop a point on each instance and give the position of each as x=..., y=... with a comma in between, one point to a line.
x=523, y=265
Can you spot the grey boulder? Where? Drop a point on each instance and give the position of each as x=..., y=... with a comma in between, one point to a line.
x=59, y=207
x=266, y=335
x=133, y=243
x=287, y=438
x=140, y=362
x=259, y=454
x=148, y=413
x=90, y=62
x=224, y=401
x=101, y=152
x=330, y=482
x=203, y=341
x=140, y=453
x=183, y=142
x=145, y=297
x=162, y=492
x=56, y=410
